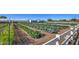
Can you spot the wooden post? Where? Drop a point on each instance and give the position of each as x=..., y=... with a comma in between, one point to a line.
x=72, y=32
x=57, y=36
x=57, y=43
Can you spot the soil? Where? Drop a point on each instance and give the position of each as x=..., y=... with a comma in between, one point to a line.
x=47, y=36
x=63, y=30
x=21, y=38
x=20, y=33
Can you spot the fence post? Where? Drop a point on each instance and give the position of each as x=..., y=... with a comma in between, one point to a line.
x=57, y=43
x=57, y=36
x=71, y=33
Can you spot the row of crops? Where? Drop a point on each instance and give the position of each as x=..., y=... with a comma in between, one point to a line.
x=7, y=30
x=3, y=25
x=11, y=33
x=31, y=32
x=67, y=23
x=49, y=27
x=6, y=34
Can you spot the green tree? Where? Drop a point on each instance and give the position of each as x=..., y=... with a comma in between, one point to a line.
x=62, y=20
x=3, y=17
x=50, y=20
x=73, y=19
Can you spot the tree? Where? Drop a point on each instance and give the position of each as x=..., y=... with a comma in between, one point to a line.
x=62, y=20
x=50, y=20
x=3, y=17
x=73, y=19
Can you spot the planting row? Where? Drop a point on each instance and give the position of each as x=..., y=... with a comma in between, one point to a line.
x=3, y=25
x=30, y=31
x=7, y=34
x=52, y=28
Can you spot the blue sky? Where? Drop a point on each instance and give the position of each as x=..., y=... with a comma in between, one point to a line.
x=41, y=16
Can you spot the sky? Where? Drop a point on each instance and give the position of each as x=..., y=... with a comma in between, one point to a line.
x=40, y=16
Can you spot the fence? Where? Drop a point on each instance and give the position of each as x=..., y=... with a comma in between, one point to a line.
x=66, y=37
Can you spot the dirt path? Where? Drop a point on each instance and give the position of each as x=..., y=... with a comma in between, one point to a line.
x=47, y=36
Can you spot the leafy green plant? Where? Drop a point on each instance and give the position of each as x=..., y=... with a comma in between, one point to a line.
x=34, y=34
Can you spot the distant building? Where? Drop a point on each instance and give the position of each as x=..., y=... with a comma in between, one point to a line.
x=35, y=21
x=73, y=20
x=30, y=21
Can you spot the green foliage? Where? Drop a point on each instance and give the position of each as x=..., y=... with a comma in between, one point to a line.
x=50, y=20
x=3, y=17
x=4, y=35
x=48, y=27
x=73, y=19
x=11, y=33
x=34, y=34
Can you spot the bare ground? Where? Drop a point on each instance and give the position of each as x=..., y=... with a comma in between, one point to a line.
x=22, y=37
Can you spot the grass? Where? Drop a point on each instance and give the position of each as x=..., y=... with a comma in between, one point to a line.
x=4, y=35
x=11, y=33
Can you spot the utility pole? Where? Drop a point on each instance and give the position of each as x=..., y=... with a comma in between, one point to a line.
x=9, y=33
